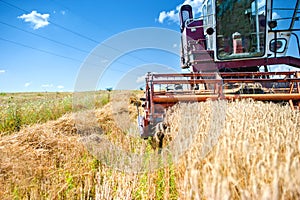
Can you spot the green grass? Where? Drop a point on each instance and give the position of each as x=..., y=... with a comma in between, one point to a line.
x=20, y=109
x=16, y=113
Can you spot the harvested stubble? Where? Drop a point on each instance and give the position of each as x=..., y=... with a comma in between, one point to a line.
x=43, y=161
x=50, y=161
x=239, y=150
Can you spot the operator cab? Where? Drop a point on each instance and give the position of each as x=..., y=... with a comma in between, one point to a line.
x=231, y=30
x=240, y=29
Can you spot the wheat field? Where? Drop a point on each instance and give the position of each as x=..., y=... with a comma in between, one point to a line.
x=219, y=150
x=255, y=155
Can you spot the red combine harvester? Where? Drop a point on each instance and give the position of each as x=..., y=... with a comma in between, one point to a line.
x=229, y=53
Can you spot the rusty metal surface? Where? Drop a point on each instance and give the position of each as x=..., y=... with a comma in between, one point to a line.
x=233, y=80
x=224, y=74
x=274, y=86
x=198, y=98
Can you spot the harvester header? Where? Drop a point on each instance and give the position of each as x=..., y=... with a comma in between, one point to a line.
x=232, y=51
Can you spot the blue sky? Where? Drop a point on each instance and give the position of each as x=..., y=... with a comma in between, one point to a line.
x=44, y=43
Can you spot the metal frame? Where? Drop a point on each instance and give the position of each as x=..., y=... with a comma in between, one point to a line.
x=157, y=100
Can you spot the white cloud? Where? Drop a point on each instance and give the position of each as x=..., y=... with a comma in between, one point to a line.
x=141, y=79
x=2, y=71
x=60, y=87
x=275, y=15
x=162, y=16
x=27, y=84
x=47, y=85
x=173, y=15
x=282, y=68
x=170, y=15
x=63, y=12
x=104, y=60
x=38, y=20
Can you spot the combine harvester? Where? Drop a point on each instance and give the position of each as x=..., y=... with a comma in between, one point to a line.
x=229, y=52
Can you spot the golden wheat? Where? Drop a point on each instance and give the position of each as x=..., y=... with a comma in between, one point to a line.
x=245, y=150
